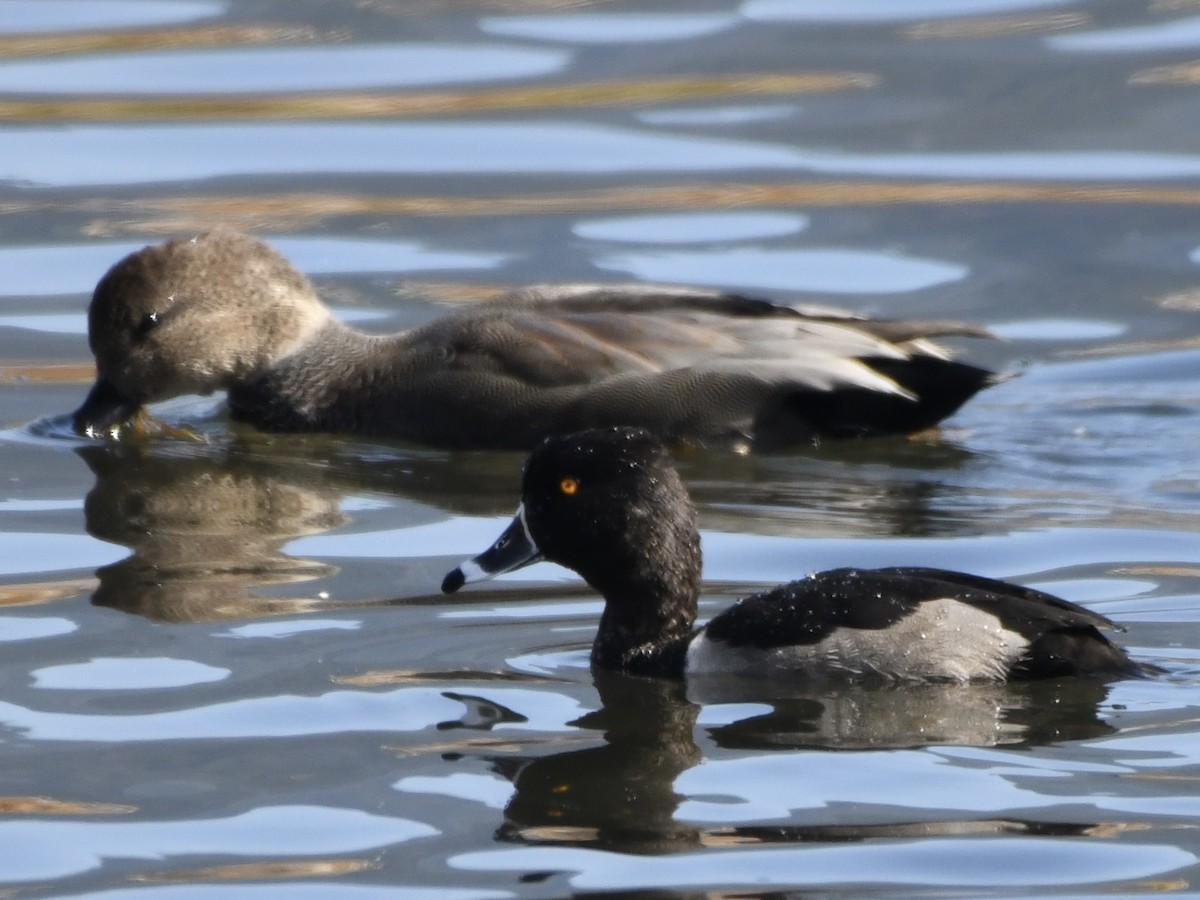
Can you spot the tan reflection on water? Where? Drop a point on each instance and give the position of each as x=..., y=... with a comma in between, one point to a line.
x=1161, y=6
x=1186, y=300
x=417, y=676
x=127, y=41
x=407, y=8
x=48, y=806
x=261, y=871
x=996, y=26
x=179, y=214
x=1160, y=571
x=47, y=373
x=400, y=104
x=39, y=592
x=1135, y=348
x=1180, y=73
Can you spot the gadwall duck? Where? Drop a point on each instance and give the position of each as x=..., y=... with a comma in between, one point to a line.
x=609, y=504
x=224, y=311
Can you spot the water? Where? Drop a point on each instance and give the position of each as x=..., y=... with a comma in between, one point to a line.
x=227, y=669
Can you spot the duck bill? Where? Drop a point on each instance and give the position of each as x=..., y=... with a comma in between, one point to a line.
x=104, y=407
x=513, y=550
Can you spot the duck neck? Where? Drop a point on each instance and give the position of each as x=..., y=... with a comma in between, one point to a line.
x=649, y=616
x=328, y=384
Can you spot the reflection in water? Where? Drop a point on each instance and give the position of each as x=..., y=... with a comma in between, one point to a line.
x=1181, y=34
x=410, y=104
x=203, y=536
x=166, y=213
x=610, y=28
x=26, y=16
x=877, y=11
x=910, y=715
x=43, y=850
x=830, y=270
x=264, y=69
x=143, y=154
x=900, y=488
x=621, y=795
x=997, y=26
x=207, y=524
x=47, y=269
x=691, y=228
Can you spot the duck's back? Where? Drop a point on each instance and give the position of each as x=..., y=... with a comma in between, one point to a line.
x=907, y=624
x=689, y=366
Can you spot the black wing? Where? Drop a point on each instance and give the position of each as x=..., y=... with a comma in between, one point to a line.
x=1063, y=637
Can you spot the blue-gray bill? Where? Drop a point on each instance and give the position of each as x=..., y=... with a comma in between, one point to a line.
x=514, y=549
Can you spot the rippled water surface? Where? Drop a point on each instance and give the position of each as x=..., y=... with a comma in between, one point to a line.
x=227, y=670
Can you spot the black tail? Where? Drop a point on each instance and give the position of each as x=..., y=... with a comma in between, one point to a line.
x=1067, y=652
x=939, y=387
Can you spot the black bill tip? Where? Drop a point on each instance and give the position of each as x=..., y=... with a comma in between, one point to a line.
x=453, y=581
x=512, y=550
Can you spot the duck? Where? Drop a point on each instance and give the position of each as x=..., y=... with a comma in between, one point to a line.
x=610, y=505
x=223, y=311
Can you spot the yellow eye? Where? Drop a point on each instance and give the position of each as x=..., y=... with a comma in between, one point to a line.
x=568, y=486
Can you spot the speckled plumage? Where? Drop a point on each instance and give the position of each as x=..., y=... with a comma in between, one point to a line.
x=625, y=523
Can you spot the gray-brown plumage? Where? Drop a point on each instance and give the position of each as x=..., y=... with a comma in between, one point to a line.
x=224, y=311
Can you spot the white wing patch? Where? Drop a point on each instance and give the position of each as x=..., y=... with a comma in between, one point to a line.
x=943, y=640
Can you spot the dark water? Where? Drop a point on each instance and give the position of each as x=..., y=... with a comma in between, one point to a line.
x=227, y=671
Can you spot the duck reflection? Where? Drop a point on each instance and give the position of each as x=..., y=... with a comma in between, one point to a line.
x=894, y=487
x=206, y=523
x=891, y=717
x=204, y=536
x=621, y=796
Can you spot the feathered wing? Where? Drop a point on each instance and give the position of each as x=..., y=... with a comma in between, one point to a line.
x=808, y=610
x=700, y=365
x=1005, y=597
x=1023, y=632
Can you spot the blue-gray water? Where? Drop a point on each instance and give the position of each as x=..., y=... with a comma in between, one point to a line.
x=226, y=669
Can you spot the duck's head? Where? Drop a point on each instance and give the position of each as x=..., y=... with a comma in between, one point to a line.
x=607, y=503
x=191, y=317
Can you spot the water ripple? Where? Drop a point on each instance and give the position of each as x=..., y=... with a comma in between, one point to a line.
x=692, y=228
x=46, y=269
x=28, y=16
x=829, y=270
x=128, y=673
x=36, y=850
x=405, y=709
x=610, y=28
x=953, y=862
x=324, y=890
x=279, y=69
x=882, y=10
x=1181, y=34
x=114, y=155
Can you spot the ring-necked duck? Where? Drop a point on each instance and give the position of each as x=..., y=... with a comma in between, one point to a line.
x=225, y=312
x=609, y=504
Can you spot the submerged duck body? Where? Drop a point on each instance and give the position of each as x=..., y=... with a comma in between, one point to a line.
x=609, y=504
x=225, y=312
